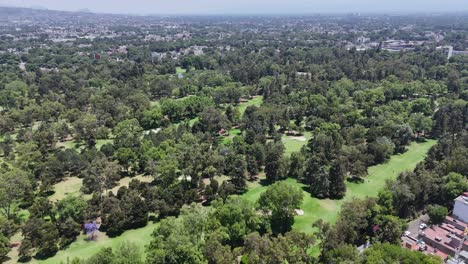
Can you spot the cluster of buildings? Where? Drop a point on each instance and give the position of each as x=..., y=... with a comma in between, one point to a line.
x=448, y=240
x=175, y=54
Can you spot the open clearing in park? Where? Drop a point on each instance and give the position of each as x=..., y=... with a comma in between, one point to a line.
x=84, y=249
x=256, y=100
x=313, y=208
x=294, y=144
x=69, y=186
x=327, y=209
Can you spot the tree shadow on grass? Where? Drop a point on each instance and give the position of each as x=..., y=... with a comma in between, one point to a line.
x=358, y=180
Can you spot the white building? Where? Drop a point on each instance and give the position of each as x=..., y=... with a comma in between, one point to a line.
x=460, y=209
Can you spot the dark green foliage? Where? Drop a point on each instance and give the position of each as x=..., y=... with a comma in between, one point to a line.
x=128, y=212
x=337, y=187
x=395, y=253
x=289, y=248
x=235, y=217
x=4, y=246
x=275, y=164
x=436, y=214
x=278, y=204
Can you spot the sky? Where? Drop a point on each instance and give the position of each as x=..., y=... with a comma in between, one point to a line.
x=245, y=6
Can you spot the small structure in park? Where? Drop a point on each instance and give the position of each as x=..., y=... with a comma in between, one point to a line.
x=223, y=132
x=91, y=230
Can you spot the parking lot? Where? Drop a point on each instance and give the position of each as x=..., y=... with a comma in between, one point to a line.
x=413, y=226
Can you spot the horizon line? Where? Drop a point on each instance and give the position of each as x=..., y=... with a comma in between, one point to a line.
x=87, y=10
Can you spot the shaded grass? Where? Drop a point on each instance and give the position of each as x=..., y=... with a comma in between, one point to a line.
x=69, y=186
x=79, y=146
x=85, y=249
x=257, y=101
x=328, y=210
x=101, y=142
x=125, y=182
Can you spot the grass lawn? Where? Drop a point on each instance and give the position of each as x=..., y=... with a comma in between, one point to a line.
x=328, y=210
x=85, y=249
x=69, y=186
x=101, y=142
x=257, y=100
x=126, y=181
x=294, y=144
x=72, y=144
x=180, y=70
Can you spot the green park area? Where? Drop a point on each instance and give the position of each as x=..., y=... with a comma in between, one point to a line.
x=313, y=208
x=83, y=248
x=328, y=210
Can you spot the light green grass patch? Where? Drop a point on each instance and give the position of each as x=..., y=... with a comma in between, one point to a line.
x=257, y=101
x=101, y=142
x=180, y=70
x=294, y=144
x=71, y=144
x=69, y=186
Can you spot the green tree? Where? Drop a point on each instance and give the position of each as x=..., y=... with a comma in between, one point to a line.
x=73, y=207
x=12, y=92
x=86, y=127
x=127, y=134
x=217, y=253
x=179, y=240
x=343, y=254
x=454, y=185
x=437, y=214
x=390, y=229
x=236, y=168
x=387, y=253
x=279, y=203
x=4, y=246
x=13, y=186
x=337, y=188
x=236, y=217
x=420, y=123
x=275, y=165
x=126, y=157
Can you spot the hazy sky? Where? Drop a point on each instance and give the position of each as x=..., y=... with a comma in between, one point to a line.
x=245, y=6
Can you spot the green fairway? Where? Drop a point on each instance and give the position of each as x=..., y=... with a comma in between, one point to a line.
x=294, y=144
x=85, y=249
x=328, y=210
x=257, y=101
